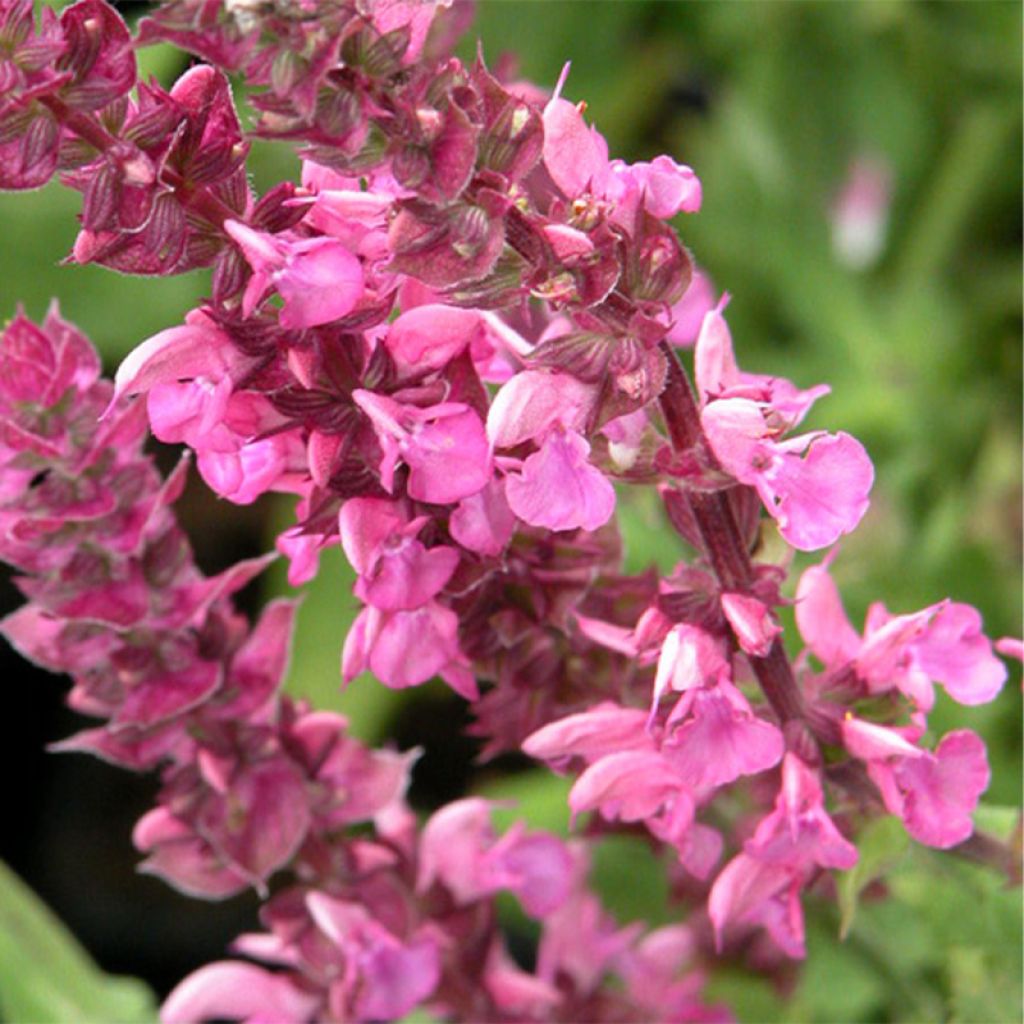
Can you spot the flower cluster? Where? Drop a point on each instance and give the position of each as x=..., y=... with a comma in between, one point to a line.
x=372, y=924
x=450, y=342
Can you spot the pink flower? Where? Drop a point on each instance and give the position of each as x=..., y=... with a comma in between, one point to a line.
x=605, y=729
x=935, y=794
x=444, y=447
x=663, y=187
x=483, y=522
x=429, y=337
x=460, y=849
x=720, y=738
x=689, y=312
x=196, y=351
x=631, y=785
x=556, y=487
x=717, y=376
x=396, y=572
x=386, y=977
x=690, y=657
x=234, y=824
x=942, y=643
x=761, y=886
x=1010, y=647
x=352, y=782
x=515, y=992
x=243, y=475
x=533, y=402
x=559, y=489
x=815, y=486
x=576, y=157
x=406, y=648
x=955, y=653
x=749, y=891
x=799, y=832
x=753, y=624
x=318, y=278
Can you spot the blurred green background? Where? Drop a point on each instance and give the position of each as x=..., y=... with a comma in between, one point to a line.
x=770, y=102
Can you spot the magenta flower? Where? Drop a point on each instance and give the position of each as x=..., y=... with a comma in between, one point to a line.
x=576, y=157
x=384, y=977
x=753, y=624
x=761, y=886
x=632, y=785
x=688, y=312
x=318, y=278
x=484, y=522
x=750, y=892
x=717, y=375
x=533, y=402
x=556, y=487
x=816, y=485
x=664, y=187
x=198, y=350
x=232, y=824
x=605, y=729
x=799, y=831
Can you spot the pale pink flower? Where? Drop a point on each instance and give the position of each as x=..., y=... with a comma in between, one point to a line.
x=239, y=991
x=859, y=214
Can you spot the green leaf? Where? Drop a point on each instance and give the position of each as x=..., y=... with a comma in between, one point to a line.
x=883, y=844
x=999, y=822
x=45, y=975
x=630, y=878
x=985, y=988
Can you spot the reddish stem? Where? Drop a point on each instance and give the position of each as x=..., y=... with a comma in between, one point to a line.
x=728, y=554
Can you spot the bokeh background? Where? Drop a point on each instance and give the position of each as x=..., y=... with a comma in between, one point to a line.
x=919, y=335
